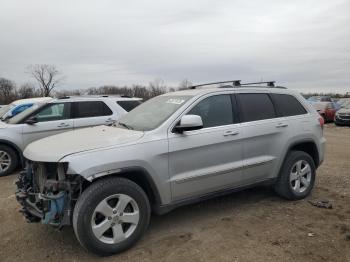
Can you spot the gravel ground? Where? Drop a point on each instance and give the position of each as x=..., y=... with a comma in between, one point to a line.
x=253, y=225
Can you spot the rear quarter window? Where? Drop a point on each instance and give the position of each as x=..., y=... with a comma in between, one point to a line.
x=129, y=105
x=288, y=105
x=91, y=109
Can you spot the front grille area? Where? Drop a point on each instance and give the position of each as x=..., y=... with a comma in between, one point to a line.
x=345, y=117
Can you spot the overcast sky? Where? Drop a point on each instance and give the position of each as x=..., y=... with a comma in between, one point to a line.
x=303, y=44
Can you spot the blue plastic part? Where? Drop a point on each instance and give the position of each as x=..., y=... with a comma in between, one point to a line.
x=56, y=209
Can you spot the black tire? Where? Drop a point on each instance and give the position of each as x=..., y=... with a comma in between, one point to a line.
x=13, y=160
x=88, y=201
x=283, y=187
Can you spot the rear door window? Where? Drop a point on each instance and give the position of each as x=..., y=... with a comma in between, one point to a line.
x=288, y=105
x=91, y=109
x=129, y=105
x=255, y=107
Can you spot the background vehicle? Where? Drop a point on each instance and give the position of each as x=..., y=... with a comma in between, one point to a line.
x=19, y=106
x=342, y=117
x=320, y=99
x=46, y=119
x=172, y=150
x=325, y=109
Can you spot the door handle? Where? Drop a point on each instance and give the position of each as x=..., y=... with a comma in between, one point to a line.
x=281, y=125
x=231, y=133
x=63, y=125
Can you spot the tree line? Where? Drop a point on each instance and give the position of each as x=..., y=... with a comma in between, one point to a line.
x=48, y=77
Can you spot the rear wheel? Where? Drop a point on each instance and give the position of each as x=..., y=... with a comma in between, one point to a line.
x=297, y=176
x=8, y=160
x=111, y=215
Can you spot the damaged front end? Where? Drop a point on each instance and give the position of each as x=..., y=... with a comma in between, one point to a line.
x=47, y=194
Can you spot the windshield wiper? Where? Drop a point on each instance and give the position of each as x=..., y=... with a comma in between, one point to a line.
x=125, y=125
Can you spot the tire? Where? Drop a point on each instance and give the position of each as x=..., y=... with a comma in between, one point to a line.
x=7, y=156
x=114, y=192
x=289, y=177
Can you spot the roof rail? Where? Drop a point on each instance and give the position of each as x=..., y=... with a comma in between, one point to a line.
x=237, y=83
x=268, y=83
x=234, y=83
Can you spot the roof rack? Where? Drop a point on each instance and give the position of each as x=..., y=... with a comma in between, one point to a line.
x=234, y=83
x=268, y=83
x=237, y=83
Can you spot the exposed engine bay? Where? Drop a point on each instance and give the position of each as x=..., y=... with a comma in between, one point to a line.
x=47, y=194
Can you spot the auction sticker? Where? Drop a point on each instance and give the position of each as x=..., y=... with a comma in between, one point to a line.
x=175, y=101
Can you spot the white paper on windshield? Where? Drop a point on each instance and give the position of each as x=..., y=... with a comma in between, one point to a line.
x=175, y=101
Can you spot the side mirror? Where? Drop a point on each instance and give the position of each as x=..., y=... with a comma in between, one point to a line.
x=31, y=121
x=188, y=123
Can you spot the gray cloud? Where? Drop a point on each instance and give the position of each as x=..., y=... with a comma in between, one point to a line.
x=303, y=44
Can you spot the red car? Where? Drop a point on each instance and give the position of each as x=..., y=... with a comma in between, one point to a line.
x=326, y=109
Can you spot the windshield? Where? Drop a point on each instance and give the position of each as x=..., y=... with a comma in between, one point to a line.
x=346, y=104
x=21, y=116
x=5, y=109
x=152, y=113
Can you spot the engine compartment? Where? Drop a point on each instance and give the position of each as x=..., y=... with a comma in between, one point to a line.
x=47, y=194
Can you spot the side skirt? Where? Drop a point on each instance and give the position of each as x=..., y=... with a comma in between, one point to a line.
x=163, y=209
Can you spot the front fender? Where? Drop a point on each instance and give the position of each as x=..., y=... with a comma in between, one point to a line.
x=98, y=163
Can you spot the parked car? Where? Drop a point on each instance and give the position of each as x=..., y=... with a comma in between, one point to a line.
x=173, y=150
x=325, y=109
x=342, y=117
x=19, y=106
x=320, y=99
x=46, y=119
x=329, y=99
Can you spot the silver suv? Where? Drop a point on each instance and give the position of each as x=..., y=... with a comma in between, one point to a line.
x=175, y=149
x=46, y=118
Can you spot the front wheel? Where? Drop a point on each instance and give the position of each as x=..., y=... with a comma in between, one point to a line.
x=297, y=176
x=111, y=215
x=8, y=160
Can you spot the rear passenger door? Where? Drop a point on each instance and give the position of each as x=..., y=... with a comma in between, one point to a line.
x=265, y=135
x=298, y=119
x=91, y=113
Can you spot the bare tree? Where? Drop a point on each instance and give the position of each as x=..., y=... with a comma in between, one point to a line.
x=7, y=91
x=157, y=87
x=47, y=76
x=27, y=90
x=185, y=84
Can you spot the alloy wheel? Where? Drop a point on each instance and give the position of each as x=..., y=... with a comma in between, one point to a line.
x=115, y=218
x=300, y=176
x=5, y=161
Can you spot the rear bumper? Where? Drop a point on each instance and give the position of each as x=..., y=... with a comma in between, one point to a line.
x=322, y=150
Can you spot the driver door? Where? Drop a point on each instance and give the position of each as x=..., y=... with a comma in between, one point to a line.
x=52, y=119
x=209, y=159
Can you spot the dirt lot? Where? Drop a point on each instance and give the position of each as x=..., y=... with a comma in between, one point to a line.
x=253, y=225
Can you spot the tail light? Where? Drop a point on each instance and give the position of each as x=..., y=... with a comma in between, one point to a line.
x=321, y=120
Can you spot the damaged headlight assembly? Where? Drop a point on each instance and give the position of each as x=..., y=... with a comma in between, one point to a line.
x=47, y=193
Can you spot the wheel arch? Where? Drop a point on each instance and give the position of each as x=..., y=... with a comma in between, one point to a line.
x=138, y=175
x=308, y=146
x=15, y=148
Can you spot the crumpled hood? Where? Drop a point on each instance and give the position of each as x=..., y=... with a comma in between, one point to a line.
x=54, y=148
x=344, y=111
